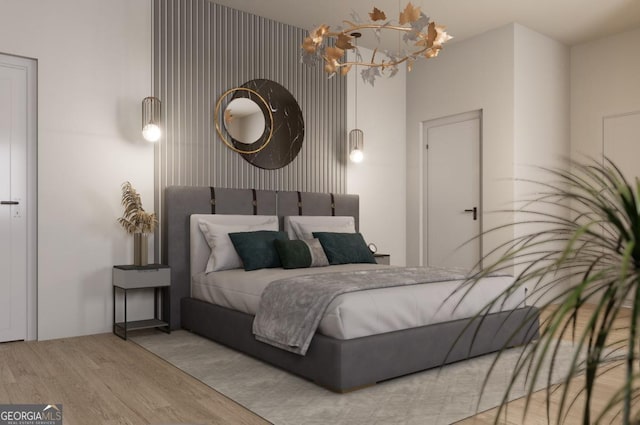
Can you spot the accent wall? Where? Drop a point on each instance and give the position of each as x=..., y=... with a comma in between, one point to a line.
x=201, y=50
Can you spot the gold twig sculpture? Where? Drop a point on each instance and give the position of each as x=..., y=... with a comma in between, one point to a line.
x=135, y=219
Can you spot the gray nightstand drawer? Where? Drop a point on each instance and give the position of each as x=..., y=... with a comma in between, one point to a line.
x=141, y=278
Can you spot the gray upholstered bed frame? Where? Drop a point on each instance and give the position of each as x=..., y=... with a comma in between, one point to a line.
x=339, y=365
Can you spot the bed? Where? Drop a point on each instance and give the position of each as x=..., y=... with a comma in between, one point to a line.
x=339, y=357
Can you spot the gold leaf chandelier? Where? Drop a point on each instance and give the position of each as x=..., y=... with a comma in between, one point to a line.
x=421, y=36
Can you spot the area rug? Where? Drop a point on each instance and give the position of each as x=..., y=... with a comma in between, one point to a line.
x=436, y=397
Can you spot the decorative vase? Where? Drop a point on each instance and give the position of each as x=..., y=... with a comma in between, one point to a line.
x=140, y=249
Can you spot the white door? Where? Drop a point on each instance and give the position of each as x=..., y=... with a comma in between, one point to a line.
x=14, y=133
x=452, y=210
x=621, y=144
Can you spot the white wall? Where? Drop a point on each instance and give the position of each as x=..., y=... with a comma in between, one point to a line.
x=519, y=79
x=605, y=80
x=541, y=104
x=541, y=118
x=94, y=68
x=474, y=74
x=380, y=178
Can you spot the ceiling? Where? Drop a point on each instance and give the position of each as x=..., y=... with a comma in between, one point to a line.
x=568, y=21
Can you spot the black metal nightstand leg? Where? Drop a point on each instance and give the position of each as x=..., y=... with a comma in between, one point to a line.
x=114, y=311
x=155, y=303
x=125, y=314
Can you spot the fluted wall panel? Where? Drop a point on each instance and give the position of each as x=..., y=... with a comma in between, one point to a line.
x=201, y=49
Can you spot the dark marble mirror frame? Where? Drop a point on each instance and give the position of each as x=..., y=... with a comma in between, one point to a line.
x=284, y=129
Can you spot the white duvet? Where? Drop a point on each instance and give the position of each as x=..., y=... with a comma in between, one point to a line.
x=361, y=313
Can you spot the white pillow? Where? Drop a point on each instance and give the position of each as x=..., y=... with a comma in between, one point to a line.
x=216, y=232
x=302, y=226
x=306, y=232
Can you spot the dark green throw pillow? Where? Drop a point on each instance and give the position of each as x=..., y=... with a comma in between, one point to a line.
x=256, y=249
x=298, y=254
x=345, y=248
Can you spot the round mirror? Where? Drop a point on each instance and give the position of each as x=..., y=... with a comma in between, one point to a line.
x=244, y=120
x=247, y=120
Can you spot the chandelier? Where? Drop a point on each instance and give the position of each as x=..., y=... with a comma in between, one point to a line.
x=422, y=38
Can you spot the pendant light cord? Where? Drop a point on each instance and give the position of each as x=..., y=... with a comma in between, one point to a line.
x=355, y=77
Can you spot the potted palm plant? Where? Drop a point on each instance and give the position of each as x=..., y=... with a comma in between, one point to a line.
x=581, y=260
x=138, y=222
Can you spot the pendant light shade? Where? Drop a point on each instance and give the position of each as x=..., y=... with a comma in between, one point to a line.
x=356, y=142
x=151, y=119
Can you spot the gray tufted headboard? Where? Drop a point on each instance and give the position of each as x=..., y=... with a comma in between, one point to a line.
x=182, y=201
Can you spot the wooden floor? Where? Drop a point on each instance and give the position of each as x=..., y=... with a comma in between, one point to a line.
x=607, y=385
x=101, y=379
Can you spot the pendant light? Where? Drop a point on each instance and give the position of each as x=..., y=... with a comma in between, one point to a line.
x=356, y=136
x=151, y=119
x=356, y=139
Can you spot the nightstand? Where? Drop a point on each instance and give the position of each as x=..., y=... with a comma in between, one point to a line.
x=382, y=258
x=137, y=278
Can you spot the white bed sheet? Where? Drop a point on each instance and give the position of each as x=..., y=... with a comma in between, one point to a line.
x=361, y=313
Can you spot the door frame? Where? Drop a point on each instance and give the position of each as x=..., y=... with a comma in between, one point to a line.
x=31, y=212
x=437, y=122
x=627, y=302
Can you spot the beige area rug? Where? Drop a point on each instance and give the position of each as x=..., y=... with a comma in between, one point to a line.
x=439, y=396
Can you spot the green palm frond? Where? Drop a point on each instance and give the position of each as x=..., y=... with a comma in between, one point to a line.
x=585, y=249
x=135, y=219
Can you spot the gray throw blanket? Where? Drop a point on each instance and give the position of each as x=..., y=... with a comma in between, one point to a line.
x=291, y=309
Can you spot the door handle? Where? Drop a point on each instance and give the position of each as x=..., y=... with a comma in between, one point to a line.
x=474, y=211
x=9, y=203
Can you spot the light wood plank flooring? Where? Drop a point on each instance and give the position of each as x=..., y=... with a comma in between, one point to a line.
x=101, y=379
x=607, y=385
